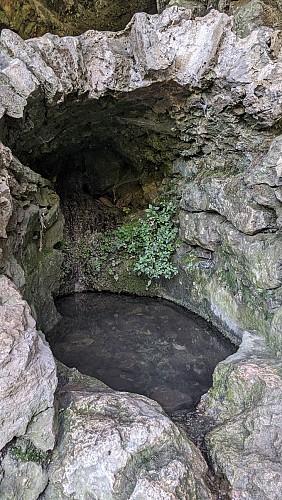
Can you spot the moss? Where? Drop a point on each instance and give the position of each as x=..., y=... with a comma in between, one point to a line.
x=231, y=280
x=25, y=451
x=189, y=261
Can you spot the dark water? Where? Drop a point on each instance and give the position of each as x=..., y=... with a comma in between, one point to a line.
x=141, y=345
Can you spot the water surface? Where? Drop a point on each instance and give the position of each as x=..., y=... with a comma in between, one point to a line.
x=143, y=345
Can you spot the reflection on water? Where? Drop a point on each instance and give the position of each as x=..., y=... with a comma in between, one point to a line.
x=141, y=345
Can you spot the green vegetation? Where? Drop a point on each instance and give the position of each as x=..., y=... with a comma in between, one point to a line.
x=142, y=246
x=25, y=451
x=150, y=242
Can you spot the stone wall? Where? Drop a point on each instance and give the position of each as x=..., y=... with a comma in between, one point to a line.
x=32, y=225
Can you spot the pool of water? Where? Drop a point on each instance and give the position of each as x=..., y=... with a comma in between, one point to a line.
x=142, y=345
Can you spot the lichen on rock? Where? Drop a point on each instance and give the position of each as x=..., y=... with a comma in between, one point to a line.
x=246, y=401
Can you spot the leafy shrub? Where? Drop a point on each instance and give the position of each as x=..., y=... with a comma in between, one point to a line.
x=145, y=244
x=150, y=242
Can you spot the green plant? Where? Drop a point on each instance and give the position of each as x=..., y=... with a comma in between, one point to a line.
x=143, y=246
x=150, y=242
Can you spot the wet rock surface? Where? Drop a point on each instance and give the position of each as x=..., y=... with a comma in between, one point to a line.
x=139, y=345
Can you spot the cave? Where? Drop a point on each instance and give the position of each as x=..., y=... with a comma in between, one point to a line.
x=98, y=132
x=108, y=160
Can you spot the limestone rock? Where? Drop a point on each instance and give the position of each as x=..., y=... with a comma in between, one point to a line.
x=231, y=199
x=35, y=225
x=24, y=478
x=270, y=170
x=201, y=229
x=198, y=8
x=5, y=203
x=246, y=401
x=250, y=14
x=275, y=334
x=28, y=373
x=258, y=257
x=119, y=445
x=46, y=420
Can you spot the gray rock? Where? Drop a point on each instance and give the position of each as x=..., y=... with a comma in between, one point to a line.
x=198, y=8
x=270, y=171
x=246, y=400
x=28, y=372
x=5, y=203
x=250, y=14
x=201, y=229
x=22, y=479
x=259, y=257
x=35, y=226
x=231, y=199
x=275, y=334
x=220, y=114
x=42, y=430
x=119, y=445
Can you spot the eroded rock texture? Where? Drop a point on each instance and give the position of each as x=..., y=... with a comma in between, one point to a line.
x=172, y=97
x=247, y=14
x=31, y=224
x=246, y=401
x=28, y=383
x=27, y=366
x=120, y=445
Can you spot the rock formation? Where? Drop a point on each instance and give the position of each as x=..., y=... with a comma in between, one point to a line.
x=246, y=402
x=172, y=98
x=247, y=14
x=119, y=445
x=215, y=122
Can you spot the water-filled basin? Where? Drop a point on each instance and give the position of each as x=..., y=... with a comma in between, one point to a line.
x=142, y=345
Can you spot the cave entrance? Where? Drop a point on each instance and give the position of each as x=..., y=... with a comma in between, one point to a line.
x=108, y=159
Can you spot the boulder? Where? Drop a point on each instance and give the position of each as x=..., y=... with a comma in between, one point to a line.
x=246, y=401
x=116, y=445
x=28, y=372
x=24, y=474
